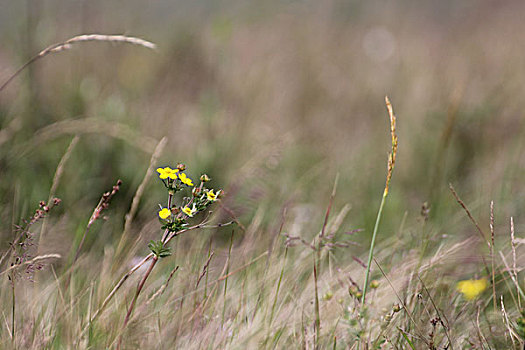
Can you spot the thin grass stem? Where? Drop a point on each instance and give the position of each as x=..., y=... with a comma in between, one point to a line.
x=492, y=235
x=371, y=250
x=135, y=297
x=226, y=280
x=317, y=323
x=278, y=287
x=13, y=300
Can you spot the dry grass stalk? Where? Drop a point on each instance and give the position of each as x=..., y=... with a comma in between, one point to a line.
x=204, y=269
x=482, y=338
x=39, y=214
x=35, y=259
x=514, y=244
x=441, y=315
x=463, y=205
x=111, y=294
x=492, y=235
x=135, y=297
x=66, y=45
x=509, y=270
x=102, y=205
x=392, y=156
x=317, y=264
x=92, y=126
x=391, y=164
x=61, y=165
x=138, y=195
x=161, y=290
x=506, y=321
x=56, y=180
x=409, y=314
x=7, y=133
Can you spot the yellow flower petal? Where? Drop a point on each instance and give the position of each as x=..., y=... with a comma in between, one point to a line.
x=185, y=180
x=167, y=172
x=162, y=173
x=471, y=289
x=212, y=197
x=189, y=211
x=173, y=174
x=164, y=213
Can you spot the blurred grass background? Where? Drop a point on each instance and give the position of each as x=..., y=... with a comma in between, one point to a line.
x=271, y=99
x=274, y=99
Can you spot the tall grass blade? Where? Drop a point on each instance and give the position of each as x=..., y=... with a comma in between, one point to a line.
x=408, y=340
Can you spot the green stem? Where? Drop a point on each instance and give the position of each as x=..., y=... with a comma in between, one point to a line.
x=371, y=251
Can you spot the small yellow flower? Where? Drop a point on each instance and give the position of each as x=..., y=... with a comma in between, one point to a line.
x=189, y=211
x=471, y=289
x=185, y=180
x=167, y=172
x=164, y=213
x=212, y=197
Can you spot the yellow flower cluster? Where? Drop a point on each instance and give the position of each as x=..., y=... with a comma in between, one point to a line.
x=169, y=173
x=202, y=196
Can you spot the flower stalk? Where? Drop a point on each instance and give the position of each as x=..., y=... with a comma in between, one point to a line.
x=391, y=164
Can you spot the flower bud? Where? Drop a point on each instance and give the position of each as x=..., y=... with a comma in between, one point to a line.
x=181, y=167
x=205, y=178
x=328, y=295
x=353, y=290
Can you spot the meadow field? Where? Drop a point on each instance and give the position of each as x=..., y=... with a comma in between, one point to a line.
x=229, y=175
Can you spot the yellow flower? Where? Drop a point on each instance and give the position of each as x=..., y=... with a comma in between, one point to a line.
x=185, y=180
x=471, y=289
x=167, y=172
x=164, y=213
x=212, y=197
x=188, y=211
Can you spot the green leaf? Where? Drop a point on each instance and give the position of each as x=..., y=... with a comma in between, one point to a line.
x=407, y=339
x=158, y=248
